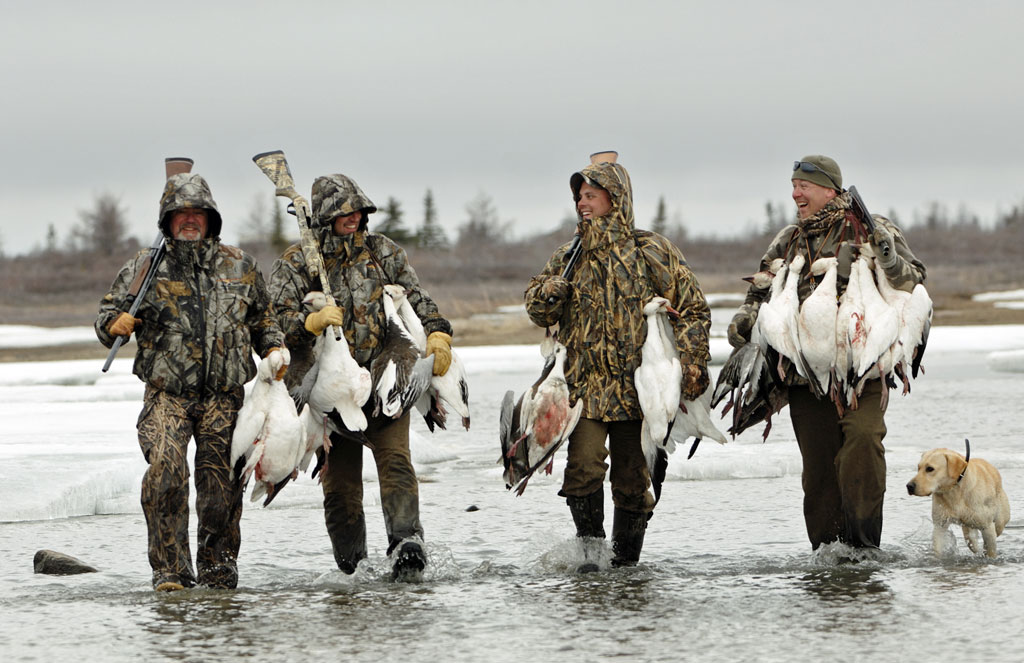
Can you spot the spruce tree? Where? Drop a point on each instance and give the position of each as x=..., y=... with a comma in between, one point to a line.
x=431, y=235
x=660, y=221
x=391, y=225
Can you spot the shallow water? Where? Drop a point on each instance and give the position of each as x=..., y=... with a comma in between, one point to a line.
x=726, y=573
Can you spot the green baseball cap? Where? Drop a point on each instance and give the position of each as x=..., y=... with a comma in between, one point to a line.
x=819, y=169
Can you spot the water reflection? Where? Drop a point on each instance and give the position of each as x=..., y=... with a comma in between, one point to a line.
x=846, y=582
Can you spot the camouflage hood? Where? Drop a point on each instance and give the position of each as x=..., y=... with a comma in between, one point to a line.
x=338, y=195
x=186, y=191
x=618, y=222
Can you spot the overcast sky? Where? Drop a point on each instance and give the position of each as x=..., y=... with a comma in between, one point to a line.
x=708, y=104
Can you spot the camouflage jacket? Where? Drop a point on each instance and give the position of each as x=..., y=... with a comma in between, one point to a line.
x=822, y=235
x=358, y=266
x=201, y=319
x=601, y=322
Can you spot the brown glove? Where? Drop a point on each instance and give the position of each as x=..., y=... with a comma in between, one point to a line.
x=555, y=289
x=695, y=381
x=439, y=344
x=740, y=328
x=328, y=316
x=122, y=325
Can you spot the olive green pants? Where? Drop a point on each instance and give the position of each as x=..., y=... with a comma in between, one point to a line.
x=166, y=425
x=343, y=490
x=843, y=466
x=586, y=467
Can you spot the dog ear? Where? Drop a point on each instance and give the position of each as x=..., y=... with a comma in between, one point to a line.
x=955, y=464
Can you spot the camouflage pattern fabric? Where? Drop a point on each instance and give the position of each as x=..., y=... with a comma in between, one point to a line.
x=357, y=285
x=188, y=191
x=601, y=320
x=822, y=235
x=166, y=424
x=205, y=313
x=338, y=195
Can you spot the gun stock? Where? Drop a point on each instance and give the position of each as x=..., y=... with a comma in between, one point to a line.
x=865, y=216
x=147, y=271
x=275, y=166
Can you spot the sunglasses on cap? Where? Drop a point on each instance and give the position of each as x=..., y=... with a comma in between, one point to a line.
x=808, y=167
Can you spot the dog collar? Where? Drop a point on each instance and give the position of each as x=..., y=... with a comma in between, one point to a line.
x=967, y=460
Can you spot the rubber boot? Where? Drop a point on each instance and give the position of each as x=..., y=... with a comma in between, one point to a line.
x=588, y=515
x=348, y=533
x=628, y=529
x=410, y=560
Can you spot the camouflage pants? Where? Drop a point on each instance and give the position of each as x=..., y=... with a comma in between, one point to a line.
x=843, y=466
x=343, y=491
x=586, y=467
x=166, y=425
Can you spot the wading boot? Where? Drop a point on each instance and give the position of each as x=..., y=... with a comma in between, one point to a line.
x=347, y=533
x=627, y=537
x=588, y=515
x=409, y=562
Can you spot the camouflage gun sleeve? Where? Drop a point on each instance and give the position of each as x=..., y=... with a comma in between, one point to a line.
x=263, y=328
x=396, y=262
x=288, y=285
x=673, y=279
x=111, y=302
x=542, y=311
x=907, y=271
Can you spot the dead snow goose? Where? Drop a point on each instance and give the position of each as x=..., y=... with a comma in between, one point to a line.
x=817, y=325
x=657, y=379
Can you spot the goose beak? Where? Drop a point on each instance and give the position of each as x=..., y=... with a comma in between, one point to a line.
x=672, y=313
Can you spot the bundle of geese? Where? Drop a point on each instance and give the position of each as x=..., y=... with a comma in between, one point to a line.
x=837, y=342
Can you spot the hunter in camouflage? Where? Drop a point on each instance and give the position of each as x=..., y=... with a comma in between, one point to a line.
x=599, y=313
x=843, y=456
x=196, y=330
x=358, y=263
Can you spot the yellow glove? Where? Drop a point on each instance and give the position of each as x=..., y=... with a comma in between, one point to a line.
x=328, y=316
x=122, y=325
x=439, y=344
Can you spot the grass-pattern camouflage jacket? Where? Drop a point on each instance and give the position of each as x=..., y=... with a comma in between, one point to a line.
x=201, y=319
x=353, y=264
x=601, y=322
x=822, y=235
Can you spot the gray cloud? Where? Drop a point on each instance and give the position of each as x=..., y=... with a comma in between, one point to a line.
x=707, y=102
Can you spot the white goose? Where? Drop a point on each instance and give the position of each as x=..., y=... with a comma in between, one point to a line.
x=693, y=419
x=452, y=388
x=657, y=380
x=777, y=318
x=883, y=328
x=335, y=389
x=915, y=313
x=817, y=325
x=400, y=375
x=269, y=435
x=545, y=418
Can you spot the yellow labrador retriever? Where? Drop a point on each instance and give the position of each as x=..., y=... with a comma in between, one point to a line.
x=965, y=491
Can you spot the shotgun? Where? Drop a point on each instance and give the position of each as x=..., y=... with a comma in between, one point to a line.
x=275, y=166
x=869, y=221
x=147, y=272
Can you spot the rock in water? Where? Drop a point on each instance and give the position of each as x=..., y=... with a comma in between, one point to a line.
x=58, y=564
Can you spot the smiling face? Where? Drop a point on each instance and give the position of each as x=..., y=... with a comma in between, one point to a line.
x=594, y=202
x=810, y=198
x=348, y=224
x=189, y=224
